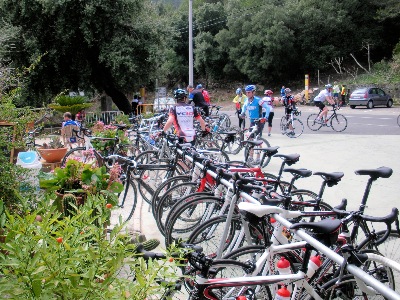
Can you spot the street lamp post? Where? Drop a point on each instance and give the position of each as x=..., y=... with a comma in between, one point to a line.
x=190, y=43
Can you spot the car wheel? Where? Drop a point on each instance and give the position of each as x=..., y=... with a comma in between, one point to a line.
x=370, y=104
x=352, y=106
x=389, y=103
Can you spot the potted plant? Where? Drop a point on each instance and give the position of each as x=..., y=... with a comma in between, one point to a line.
x=73, y=104
x=53, y=151
x=107, y=131
x=81, y=180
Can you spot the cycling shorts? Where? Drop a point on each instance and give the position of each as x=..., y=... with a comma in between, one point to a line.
x=319, y=104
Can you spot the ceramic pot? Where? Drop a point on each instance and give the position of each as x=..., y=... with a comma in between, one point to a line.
x=52, y=155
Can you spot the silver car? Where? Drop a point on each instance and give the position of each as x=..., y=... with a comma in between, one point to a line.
x=370, y=97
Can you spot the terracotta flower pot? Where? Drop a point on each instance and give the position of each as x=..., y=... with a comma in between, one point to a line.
x=52, y=155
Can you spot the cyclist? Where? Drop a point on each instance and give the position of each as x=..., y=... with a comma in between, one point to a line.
x=290, y=105
x=325, y=94
x=182, y=116
x=198, y=99
x=268, y=98
x=336, y=91
x=255, y=105
x=239, y=101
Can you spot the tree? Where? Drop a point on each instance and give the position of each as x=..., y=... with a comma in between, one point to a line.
x=110, y=46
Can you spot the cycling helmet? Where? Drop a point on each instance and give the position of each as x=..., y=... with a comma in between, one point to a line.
x=180, y=94
x=268, y=92
x=238, y=91
x=199, y=86
x=328, y=86
x=287, y=90
x=250, y=88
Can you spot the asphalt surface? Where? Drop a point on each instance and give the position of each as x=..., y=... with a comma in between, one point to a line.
x=351, y=150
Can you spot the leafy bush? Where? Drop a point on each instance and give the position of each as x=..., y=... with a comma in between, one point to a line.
x=72, y=104
x=46, y=257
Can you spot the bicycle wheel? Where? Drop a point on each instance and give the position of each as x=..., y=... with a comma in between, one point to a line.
x=298, y=128
x=182, y=202
x=253, y=253
x=338, y=122
x=347, y=288
x=390, y=248
x=254, y=159
x=189, y=215
x=216, y=155
x=172, y=196
x=90, y=156
x=233, y=269
x=313, y=123
x=127, y=201
x=234, y=147
x=305, y=200
x=150, y=180
x=283, y=125
x=281, y=186
x=225, y=121
x=163, y=187
x=398, y=120
x=209, y=234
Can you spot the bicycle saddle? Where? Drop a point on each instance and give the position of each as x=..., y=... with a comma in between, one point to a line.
x=383, y=172
x=300, y=172
x=289, y=159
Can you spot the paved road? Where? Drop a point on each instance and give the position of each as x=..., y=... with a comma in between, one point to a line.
x=361, y=121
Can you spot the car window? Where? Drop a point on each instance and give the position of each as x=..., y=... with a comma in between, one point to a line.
x=380, y=92
x=372, y=91
x=359, y=91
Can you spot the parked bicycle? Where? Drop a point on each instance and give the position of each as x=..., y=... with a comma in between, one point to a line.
x=337, y=122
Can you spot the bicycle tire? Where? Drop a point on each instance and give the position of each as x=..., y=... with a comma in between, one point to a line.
x=233, y=269
x=347, y=288
x=189, y=215
x=235, y=146
x=226, y=123
x=281, y=186
x=398, y=120
x=172, y=196
x=308, y=202
x=86, y=156
x=338, y=122
x=312, y=122
x=183, y=201
x=218, y=155
x=209, y=234
x=163, y=187
x=298, y=128
x=257, y=153
x=153, y=179
x=389, y=248
x=127, y=201
x=283, y=125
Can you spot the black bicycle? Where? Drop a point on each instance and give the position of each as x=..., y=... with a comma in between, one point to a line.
x=337, y=122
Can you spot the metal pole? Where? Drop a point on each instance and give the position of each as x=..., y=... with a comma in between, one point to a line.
x=190, y=43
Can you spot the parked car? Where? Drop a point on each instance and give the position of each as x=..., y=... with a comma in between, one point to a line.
x=370, y=97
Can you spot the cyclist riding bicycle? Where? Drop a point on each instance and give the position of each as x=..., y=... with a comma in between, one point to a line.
x=290, y=105
x=255, y=107
x=325, y=94
x=182, y=116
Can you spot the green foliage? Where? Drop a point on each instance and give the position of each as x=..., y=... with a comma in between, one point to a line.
x=72, y=104
x=47, y=257
x=99, y=130
x=80, y=178
x=122, y=119
x=55, y=143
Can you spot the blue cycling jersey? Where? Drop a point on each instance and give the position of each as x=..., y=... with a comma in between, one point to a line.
x=255, y=108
